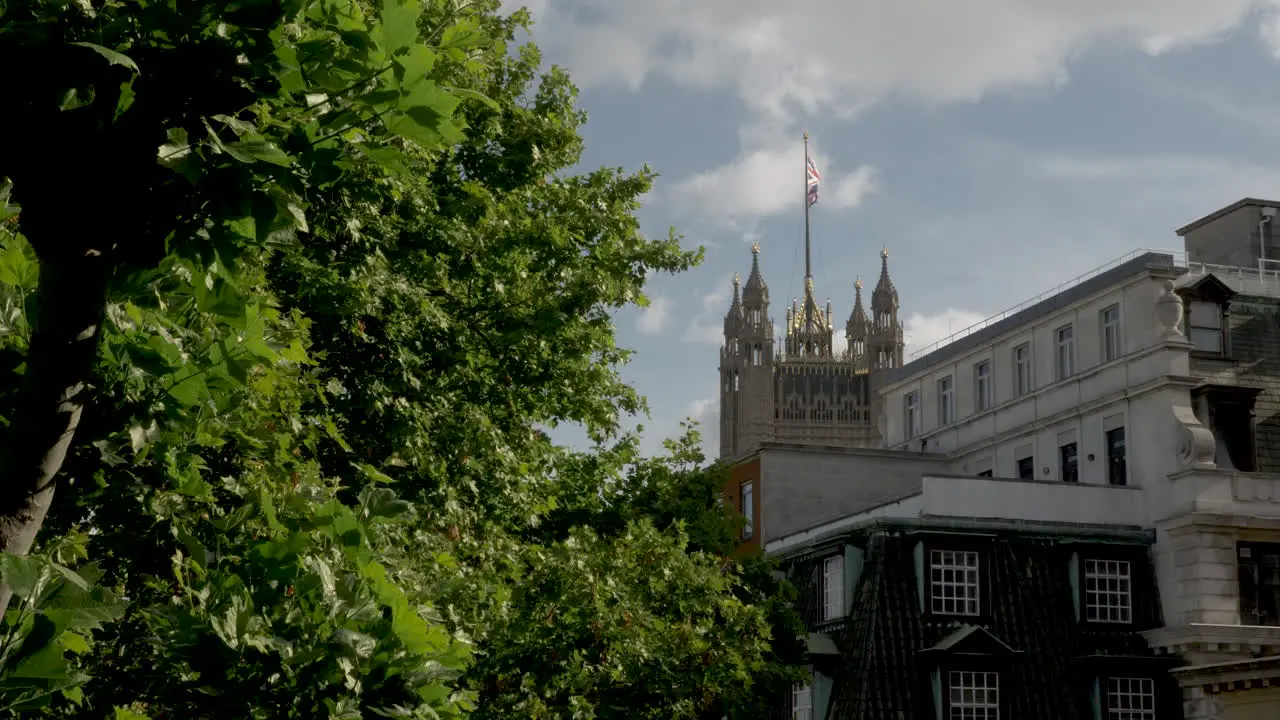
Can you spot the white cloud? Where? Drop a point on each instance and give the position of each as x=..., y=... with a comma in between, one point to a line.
x=838, y=55
x=767, y=180
x=698, y=409
x=921, y=331
x=707, y=327
x=653, y=319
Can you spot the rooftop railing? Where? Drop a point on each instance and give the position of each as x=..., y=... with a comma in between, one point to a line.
x=1179, y=260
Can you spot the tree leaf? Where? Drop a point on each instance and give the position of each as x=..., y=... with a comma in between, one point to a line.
x=113, y=57
x=400, y=24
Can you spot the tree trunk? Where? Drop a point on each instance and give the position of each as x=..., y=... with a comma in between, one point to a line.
x=71, y=299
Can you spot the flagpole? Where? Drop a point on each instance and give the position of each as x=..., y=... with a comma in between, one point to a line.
x=805, y=196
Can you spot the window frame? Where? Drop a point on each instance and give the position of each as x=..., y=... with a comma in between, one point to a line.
x=1123, y=463
x=1256, y=617
x=983, y=574
x=1098, y=556
x=946, y=400
x=982, y=395
x=911, y=414
x=802, y=691
x=825, y=613
x=1031, y=462
x=1074, y=476
x=1064, y=364
x=981, y=668
x=1023, y=370
x=1109, y=712
x=1221, y=332
x=746, y=494
x=1111, y=338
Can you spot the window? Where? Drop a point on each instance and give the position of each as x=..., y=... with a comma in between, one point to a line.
x=757, y=355
x=953, y=582
x=801, y=702
x=748, y=508
x=911, y=414
x=946, y=401
x=982, y=385
x=1110, y=333
x=1022, y=369
x=1131, y=699
x=1205, y=327
x=1064, y=363
x=1107, y=591
x=1259, y=574
x=1069, y=463
x=1116, y=470
x=1027, y=468
x=973, y=695
x=833, y=587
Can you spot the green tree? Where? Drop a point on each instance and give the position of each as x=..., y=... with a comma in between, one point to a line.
x=353, y=274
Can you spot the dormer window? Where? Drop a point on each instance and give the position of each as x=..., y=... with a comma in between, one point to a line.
x=1205, y=319
x=1206, y=327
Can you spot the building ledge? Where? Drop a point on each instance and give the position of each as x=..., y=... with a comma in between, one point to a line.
x=1201, y=638
x=1215, y=678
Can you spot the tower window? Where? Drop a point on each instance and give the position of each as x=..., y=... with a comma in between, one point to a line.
x=1205, y=327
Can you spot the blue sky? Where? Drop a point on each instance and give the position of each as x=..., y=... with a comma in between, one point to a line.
x=996, y=147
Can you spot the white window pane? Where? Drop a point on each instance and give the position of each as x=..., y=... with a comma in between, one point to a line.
x=1206, y=340
x=1206, y=315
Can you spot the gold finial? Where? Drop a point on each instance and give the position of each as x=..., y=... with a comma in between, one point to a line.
x=755, y=248
x=858, y=283
x=884, y=253
x=737, y=280
x=808, y=283
x=806, y=136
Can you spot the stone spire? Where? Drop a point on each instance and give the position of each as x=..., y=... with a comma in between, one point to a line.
x=809, y=328
x=885, y=344
x=884, y=299
x=733, y=319
x=756, y=292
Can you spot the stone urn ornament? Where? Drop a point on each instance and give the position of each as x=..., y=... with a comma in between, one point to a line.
x=1169, y=312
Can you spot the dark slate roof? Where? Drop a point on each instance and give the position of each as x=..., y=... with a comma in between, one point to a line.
x=883, y=672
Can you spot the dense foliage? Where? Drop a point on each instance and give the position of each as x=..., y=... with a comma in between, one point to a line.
x=287, y=288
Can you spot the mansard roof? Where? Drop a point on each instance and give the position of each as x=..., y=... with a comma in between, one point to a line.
x=889, y=647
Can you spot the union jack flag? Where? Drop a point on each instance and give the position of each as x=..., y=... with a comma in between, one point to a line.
x=813, y=179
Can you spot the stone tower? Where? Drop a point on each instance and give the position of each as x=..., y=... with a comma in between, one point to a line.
x=746, y=362
x=809, y=392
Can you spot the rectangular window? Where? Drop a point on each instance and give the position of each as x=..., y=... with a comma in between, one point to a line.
x=748, y=508
x=1110, y=333
x=1027, y=468
x=1069, y=463
x=833, y=587
x=973, y=695
x=953, y=582
x=1205, y=328
x=911, y=414
x=801, y=702
x=1022, y=369
x=1117, y=471
x=946, y=401
x=1259, y=575
x=1108, y=592
x=1131, y=699
x=1064, y=363
x=982, y=385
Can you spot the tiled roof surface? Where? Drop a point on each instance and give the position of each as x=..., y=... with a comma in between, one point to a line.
x=881, y=673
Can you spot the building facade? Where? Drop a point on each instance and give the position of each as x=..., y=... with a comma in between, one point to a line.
x=1136, y=409
x=800, y=388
